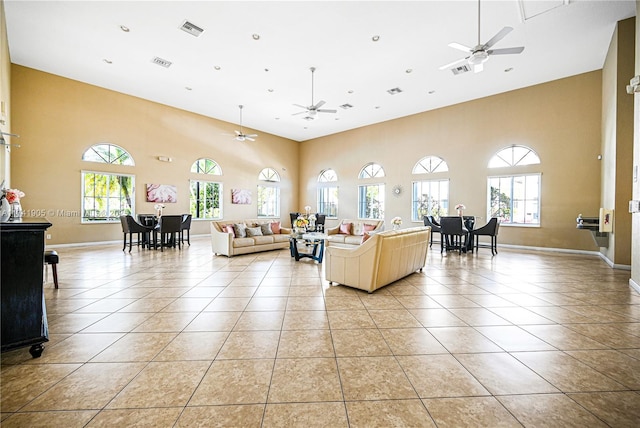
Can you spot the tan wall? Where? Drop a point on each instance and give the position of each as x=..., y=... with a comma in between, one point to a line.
x=5, y=100
x=560, y=120
x=60, y=118
x=635, y=233
x=617, y=139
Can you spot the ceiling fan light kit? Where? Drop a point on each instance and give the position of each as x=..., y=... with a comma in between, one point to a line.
x=240, y=135
x=481, y=52
x=313, y=109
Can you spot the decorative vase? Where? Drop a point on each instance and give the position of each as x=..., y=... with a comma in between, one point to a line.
x=300, y=231
x=16, y=211
x=460, y=213
x=5, y=210
x=396, y=226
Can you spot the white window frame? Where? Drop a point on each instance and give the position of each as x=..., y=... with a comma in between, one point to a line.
x=209, y=203
x=418, y=191
x=105, y=214
x=366, y=208
x=525, y=203
x=268, y=201
x=327, y=193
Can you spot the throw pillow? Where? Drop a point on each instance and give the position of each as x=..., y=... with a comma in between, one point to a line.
x=345, y=228
x=275, y=227
x=365, y=236
x=368, y=227
x=254, y=231
x=229, y=229
x=266, y=229
x=240, y=230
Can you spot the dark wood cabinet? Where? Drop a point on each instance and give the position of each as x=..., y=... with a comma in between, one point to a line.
x=24, y=318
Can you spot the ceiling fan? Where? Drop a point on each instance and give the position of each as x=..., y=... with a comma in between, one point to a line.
x=481, y=52
x=313, y=109
x=3, y=142
x=240, y=135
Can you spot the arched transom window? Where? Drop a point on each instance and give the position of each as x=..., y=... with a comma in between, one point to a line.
x=206, y=166
x=430, y=164
x=269, y=174
x=371, y=170
x=108, y=153
x=514, y=156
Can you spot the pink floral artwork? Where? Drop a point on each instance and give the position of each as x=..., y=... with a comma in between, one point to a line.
x=240, y=196
x=165, y=193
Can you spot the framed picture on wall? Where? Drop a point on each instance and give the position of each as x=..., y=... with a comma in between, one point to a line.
x=240, y=196
x=162, y=193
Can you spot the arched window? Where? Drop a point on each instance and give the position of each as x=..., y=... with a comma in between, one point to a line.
x=514, y=156
x=430, y=197
x=106, y=196
x=514, y=199
x=108, y=153
x=430, y=164
x=371, y=196
x=328, y=193
x=269, y=193
x=205, y=198
x=206, y=166
x=371, y=170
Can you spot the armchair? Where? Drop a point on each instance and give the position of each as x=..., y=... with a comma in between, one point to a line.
x=434, y=225
x=489, y=229
x=131, y=226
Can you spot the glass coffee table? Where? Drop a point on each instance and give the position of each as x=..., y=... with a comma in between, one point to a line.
x=309, y=245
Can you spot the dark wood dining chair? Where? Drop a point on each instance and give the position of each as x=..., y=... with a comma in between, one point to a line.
x=185, y=226
x=293, y=217
x=131, y=226
x=489, y=229
x=320, y=220
x=453, y=234
x=168, y=229
x=434, y=225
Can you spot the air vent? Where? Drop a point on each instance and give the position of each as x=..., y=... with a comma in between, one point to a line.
x=162, y=62
x=461, y=69
x=191, y=28
x=346, y=106
x=394, y=91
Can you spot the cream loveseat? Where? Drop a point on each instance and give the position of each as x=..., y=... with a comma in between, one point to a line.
x=337, y=236
x=383, y=258
x=225, y=239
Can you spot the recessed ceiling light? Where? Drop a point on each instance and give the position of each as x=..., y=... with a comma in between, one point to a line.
x=431, y=92
x=346, y=106
x=375, y=38
x=266, y=70
x=270, y=90
x=394, y=91
x=217, y=67
x=350, y=91
x=408, y=70
x=108, y=61
x=124, y=28
x=508, y=69
x=376, y=107
x=188, y=88
x=255, y=36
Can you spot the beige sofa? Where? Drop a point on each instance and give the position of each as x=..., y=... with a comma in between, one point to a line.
x=225, y=242
x=339, y=239
x=382, y=259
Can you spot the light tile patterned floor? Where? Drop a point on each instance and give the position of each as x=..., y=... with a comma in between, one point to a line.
x=183, y=338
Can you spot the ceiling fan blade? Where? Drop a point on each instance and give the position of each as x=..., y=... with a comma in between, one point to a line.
x=300, y=112
x=302, y=107
x=506, y=51
x=324, y=110
x=460, y=47
x=320, y=104
x=451, y=64
x=251, y=135
x=478, y=68
x=9, y=134
x=249, y=138
x=495, y=39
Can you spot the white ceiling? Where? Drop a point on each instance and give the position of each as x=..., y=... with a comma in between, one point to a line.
x=74, y=38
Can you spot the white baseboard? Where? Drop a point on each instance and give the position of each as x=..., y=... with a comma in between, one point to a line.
x=634, y=285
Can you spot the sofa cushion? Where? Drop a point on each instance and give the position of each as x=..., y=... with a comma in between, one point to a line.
x=275, y=227
x=266, y=229
x=278, y=237
x=263, y=240
x=254, y=231
x=345, y=228
x=243, y=242
x=240, y=230
x=339, y=238
x=353, y=239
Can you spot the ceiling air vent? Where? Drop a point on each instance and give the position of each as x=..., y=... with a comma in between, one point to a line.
x=191, y=28
x=461, y=69
x=394, y=91
x=346, y=106
x=162, y=62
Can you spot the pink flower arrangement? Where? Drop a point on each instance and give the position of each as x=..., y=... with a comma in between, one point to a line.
x=13, y=195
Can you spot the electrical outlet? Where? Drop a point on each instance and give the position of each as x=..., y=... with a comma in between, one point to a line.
x=48, y=236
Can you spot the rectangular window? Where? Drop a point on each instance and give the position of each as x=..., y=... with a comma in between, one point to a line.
x=371, y=201
x=328, y=201
x=105, y=197
x=515, y=199
x=268, y=201
x=429, y=197
x=205, y=200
